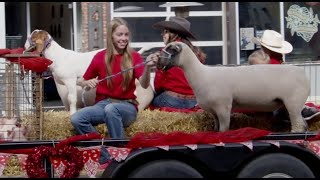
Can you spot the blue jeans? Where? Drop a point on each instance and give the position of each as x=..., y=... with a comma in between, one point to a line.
x=116, y=116
x=166, y=100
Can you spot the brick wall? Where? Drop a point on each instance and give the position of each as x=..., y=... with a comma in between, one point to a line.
x=85, y=21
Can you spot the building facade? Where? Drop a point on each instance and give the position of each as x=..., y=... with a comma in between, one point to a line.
x=223, y=29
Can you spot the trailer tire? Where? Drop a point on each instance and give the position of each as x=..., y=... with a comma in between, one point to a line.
x=165, y=169
x=277, y=165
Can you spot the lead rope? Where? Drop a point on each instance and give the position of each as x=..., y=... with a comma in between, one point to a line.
x=86, y=88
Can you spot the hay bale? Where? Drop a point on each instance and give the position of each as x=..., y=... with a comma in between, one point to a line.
x=165, y=122
x=57, y=126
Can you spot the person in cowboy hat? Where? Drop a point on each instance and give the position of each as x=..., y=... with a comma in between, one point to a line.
x=273, y=45
x=171, y=87
x=272, y=48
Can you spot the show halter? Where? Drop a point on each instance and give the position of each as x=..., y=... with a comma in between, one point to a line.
x=33, y=45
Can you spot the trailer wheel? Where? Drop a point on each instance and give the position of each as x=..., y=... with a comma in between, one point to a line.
x=276, y=165
x=165, y=169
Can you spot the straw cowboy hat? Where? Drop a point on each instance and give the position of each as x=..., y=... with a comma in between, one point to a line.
x=177, y=24
x=273, y=40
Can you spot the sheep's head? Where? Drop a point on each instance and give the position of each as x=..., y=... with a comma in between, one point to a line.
x=169, y=56
x=39, y=40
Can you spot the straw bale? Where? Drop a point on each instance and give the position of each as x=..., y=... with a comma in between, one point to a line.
x=57, y=126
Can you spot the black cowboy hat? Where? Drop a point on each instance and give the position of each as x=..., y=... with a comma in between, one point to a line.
x=177, y=24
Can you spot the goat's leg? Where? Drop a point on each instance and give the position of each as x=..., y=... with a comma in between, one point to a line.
x=72, y=94
x=223, y=113
x=63, y=93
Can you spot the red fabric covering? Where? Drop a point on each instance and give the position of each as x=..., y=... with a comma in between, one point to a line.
x=35, y=64
x=197, y=109
x=17, y=51
x=181, y=138
x=68, y=141
x=170, y=109
x=315, y=138
x=313, y=105
x=76, y=138
x=4, y=51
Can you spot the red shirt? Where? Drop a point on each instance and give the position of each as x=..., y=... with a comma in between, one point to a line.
x=274, y=61
x=98, y=68
x=172, y=80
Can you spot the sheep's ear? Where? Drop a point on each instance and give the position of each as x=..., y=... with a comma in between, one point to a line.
x=177, y=48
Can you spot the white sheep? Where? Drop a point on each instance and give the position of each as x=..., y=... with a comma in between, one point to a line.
x=68, y=66
x=218, y=89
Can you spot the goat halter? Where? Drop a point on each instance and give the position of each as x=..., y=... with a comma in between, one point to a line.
x=33, y=45
x=168, y=57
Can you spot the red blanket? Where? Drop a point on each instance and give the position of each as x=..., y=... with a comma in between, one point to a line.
x=35, y=64
x=198, y=109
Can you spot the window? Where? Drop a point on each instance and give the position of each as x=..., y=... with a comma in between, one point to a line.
x=147, y=6
x=15, y=24
x=302, y=33
x=300, y=26
x=141, y=29
x=260, y=16
x=206, y=25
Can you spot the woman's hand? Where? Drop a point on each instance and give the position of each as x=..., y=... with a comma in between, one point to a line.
x=151, y=62
x=152, y=59
x=91, y=83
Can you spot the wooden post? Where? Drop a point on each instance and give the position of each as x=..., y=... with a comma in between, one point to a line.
x=6, y=96
x=11, y=90
x=39, y=101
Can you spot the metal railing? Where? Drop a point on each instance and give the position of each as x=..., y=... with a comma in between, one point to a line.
x=312, y=69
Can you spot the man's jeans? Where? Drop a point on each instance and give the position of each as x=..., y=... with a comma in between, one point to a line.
x=165, y=100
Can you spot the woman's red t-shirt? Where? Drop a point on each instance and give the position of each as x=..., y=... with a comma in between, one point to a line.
x=97, y=68
x=172, y=80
